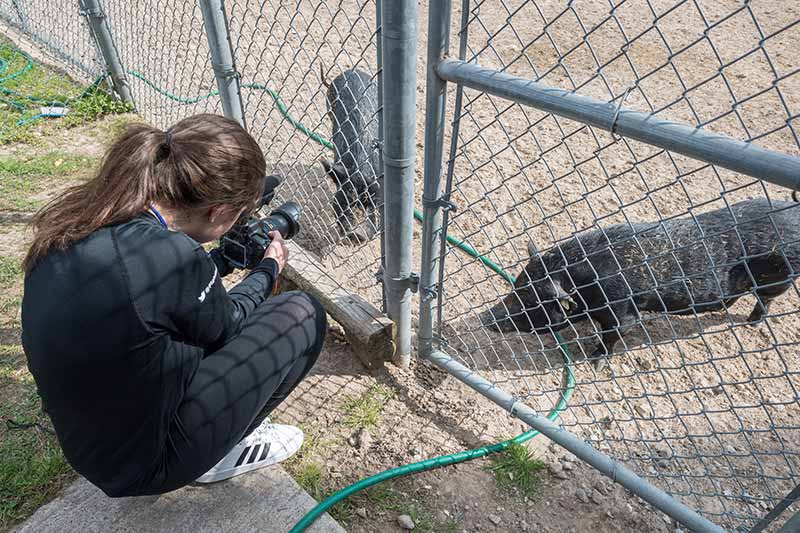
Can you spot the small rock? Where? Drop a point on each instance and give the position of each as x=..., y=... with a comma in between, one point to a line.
x=362, y=512
x=363, y=439
x=601, y=488
x=662, y=463
x=582, y=496
x=442, y=516
x=494, y=519
x=405, y=522
x=523, y=525
x=609, y=514
x=556, y=468
x=415, y=451
x=568, y=465
x=560, y=475
x=596, y=497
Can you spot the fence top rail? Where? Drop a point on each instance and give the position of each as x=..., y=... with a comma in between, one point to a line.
x=739, y=156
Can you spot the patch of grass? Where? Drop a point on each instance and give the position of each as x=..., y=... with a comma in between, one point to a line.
x=365, y=411
x=32, y=470
x=517, y=468
x=10, y=305
x=93, y=106
x=22, y=178
x=10, y=271
x=27, y=86
x=32, y=467
x=51, y=164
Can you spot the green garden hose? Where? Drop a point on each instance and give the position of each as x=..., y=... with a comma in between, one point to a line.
x=568, y=381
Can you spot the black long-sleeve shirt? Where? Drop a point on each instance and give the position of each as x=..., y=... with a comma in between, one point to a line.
x=114, y=328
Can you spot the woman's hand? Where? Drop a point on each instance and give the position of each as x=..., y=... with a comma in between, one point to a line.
x=277, y=250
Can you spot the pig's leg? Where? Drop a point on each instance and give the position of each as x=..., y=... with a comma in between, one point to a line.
x=614, y=321
x=768, y=273
x=372, y=202
x=343, y=211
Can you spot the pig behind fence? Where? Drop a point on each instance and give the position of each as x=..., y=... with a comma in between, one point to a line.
x=352, y=99
x=688, y=265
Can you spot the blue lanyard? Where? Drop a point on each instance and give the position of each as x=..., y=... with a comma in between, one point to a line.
x=158, y=216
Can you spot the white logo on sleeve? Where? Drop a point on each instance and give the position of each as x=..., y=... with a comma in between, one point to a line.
x=205, y=292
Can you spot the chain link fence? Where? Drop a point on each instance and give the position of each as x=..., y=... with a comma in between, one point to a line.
x=286, y=57
x=45, y=70
x=700, y=400
x=308, y=109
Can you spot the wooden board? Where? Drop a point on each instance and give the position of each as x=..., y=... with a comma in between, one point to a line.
x=364, y=325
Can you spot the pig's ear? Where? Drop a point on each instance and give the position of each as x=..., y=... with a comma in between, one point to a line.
x=322, y=78
x=327, y=165
x=532, y=251
x=566, y=301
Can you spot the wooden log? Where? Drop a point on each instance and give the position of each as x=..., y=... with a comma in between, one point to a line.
x=366, y=328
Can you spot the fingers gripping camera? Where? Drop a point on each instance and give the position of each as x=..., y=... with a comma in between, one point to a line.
x=244, y=245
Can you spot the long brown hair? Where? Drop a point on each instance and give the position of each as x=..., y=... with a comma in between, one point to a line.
x=202, y=161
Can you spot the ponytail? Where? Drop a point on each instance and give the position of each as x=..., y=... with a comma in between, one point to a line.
x=202, y=161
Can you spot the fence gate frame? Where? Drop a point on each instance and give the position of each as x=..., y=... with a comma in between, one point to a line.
x=775, y=167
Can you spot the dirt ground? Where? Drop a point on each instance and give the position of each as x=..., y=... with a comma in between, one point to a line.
x=430, y=414
x=704, y=406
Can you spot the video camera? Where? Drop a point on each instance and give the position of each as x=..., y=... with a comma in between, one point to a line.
x=243, y=246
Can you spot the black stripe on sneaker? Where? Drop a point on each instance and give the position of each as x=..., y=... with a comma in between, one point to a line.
x=254, y=455
x=264, y=452
x=243, y=456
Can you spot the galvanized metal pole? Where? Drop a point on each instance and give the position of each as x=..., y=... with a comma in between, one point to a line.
x=435, y=104
x=98, y=25
x=698, y=143
x=381, y=173
x=399, y=29
x=617, y=472
x=222, y=62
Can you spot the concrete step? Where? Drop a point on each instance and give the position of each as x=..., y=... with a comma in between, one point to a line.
x=266, y=500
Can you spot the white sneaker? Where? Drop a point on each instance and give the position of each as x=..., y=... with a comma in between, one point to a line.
x=268, y=444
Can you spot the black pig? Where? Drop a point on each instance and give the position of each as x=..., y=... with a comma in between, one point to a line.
x=352, y=106
x=680, y=266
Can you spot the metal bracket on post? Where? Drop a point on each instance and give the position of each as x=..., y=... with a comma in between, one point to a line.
x=408, y=281
x=440, y=203
x=98, y=25
x=219, y=43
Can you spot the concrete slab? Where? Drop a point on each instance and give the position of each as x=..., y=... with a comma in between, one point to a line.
x=266, y=500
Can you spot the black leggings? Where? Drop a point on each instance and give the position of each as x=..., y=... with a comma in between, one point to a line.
x=236, y=387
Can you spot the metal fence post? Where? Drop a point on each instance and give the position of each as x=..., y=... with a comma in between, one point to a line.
x=379, y=61
x=436, y=98
x=219, y=43
x=399, y=30
x=96, y=17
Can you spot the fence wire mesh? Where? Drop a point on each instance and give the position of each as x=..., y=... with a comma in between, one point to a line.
x=309, y=74
x=286, y=56
x=169, y=72
x=702, y=400
x=46, y=69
